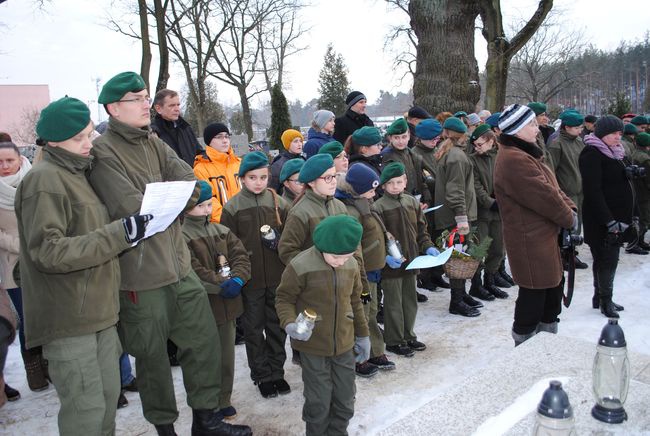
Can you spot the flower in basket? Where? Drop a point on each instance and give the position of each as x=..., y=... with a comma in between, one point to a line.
x=466, y=247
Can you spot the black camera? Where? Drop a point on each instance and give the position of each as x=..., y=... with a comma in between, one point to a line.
x=568, y=241
x=634, y=172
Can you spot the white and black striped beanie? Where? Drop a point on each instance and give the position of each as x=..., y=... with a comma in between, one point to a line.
x=514, y=118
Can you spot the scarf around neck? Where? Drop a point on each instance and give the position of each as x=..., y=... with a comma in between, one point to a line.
x=8, y=184
x=615, y=152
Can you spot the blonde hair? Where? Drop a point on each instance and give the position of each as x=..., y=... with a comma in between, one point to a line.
x=452, y=138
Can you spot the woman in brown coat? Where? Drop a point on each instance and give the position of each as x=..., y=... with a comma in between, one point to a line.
x=533, y=210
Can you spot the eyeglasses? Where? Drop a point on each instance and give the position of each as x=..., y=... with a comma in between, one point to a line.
x=328, y=179
x=138, y=100
x=294, y=181
x=480, y=144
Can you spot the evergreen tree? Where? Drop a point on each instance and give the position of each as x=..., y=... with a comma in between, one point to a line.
x=620, y=105
x=280, y=119
x=199, y=115
x=333, y=83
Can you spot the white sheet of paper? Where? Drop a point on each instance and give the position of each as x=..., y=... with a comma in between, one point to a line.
x=165, y=201
x=431, y=209
x=427, y=261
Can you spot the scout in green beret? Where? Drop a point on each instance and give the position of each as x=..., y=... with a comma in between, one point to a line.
x=537, y=107
x=643, y=140
x=398, y=127
x=572, y=118
x=478, y=132
x=367, y=136
x=315, y=168
x=125, y=98
x=639, y=120
x=392, y=170
x=324, y=281
x=335, y=149
x=292, y=187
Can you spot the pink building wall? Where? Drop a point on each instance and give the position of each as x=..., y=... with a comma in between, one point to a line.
x=17, y=104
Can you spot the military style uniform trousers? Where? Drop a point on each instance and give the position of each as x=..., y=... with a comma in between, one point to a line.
x=181, y=312
x=492, y=228
x=226, y=344
x=377, y=347
x=329, y=389
x=85, y=371
x=400, y=309
x=263, y=335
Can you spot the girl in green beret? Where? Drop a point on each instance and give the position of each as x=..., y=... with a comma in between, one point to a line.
x=364, y=146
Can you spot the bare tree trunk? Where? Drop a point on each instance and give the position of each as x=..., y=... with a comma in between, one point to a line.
x=145, y=65
x=163, y=51
x=446, y=76
x=246, y=111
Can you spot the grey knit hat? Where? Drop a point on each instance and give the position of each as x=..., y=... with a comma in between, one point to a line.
x=473, y=119
x=322, y=116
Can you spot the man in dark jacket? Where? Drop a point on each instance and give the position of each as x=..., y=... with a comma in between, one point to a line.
x=354, y=118
x=172, y=128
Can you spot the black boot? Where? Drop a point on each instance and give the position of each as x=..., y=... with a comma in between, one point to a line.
x=504, y=274
x=477, y=290
x=595, y=302
x=210, y=423
x=437, y=279
x=580, y=264
x=489, y=283
x=166, y=430
x=457, y=306
x=607, y=307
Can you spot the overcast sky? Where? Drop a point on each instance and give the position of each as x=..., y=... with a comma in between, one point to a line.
x=68, y=46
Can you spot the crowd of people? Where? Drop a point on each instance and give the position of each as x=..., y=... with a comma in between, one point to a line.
x=312, y=244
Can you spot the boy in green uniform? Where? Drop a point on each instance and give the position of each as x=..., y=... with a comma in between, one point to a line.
x=325, y=279
x=221, y=262
x=403, y=218
x=70, y=272
x=253, y=208
x=289, y=180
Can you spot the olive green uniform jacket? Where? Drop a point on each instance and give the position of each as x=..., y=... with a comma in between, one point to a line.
x=454, y=189
x=430, y=166
x=245, y=214
x=642, y=185
x=541, y=143
x=565, y=151
x=404, y=219
x=308, y=282
x=483, y=166
x=414, y=166
x=127, y=158
x=206, y=242
x=70, y=274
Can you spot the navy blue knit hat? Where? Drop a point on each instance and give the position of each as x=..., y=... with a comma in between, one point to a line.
x=362, y=178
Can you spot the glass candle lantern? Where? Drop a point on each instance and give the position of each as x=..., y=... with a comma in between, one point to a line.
x=554, y=413
x=611, y=375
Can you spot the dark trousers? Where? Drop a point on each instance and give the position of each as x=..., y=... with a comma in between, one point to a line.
x=537, y=305
x=604, y=267
x=16, y=295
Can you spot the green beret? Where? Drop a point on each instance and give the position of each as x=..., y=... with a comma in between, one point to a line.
x=392, y=170
x=333, y=148
x=366, y=136
x=290, y=167
x=630, y=129
x=252, y=161
x=205, y=193
x=572, y=118
x=62, y=119
x=478, y=132
x=460, y=114
x=643, y=139
x=455, y=124
x=119, y=85
x=398, y=127
x=314, y=167
x=638, y=120
x=338, y=234
x=537, y=107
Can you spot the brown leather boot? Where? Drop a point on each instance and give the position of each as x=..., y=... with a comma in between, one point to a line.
x=34, y=370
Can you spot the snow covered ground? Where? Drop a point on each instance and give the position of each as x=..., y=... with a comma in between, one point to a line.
x=457, y=347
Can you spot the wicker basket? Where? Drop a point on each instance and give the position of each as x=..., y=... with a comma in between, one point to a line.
x=461, y=268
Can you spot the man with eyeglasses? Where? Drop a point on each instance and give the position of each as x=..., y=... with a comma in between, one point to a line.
x=170, y=126
x=161, y=297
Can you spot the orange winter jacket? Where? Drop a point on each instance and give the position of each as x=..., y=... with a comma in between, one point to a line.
x=220, y=170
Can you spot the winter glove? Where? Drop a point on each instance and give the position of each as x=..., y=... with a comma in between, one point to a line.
x=574, y=226
x=291, y=330
x=494, y=207
x=231, y=287
x=432, y=251
x=272, y=244
x=393, y=262
x=134, y=227
x=463, y=224
x=366, y=297
x=374, y=276
x=361, y=348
